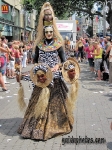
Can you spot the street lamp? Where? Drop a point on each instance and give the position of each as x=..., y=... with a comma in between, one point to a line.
x=104, y=11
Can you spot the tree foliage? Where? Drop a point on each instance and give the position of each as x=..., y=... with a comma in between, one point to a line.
x=65, y=8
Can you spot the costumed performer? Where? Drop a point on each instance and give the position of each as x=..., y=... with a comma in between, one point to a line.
x=50, y=109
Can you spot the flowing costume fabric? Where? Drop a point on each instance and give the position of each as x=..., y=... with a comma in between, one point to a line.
x=55, y=120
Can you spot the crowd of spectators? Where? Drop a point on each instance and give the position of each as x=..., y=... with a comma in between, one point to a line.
x=12, y=55
x=97, y=52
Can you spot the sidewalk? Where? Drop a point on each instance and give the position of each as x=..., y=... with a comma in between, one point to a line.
x=93, y=114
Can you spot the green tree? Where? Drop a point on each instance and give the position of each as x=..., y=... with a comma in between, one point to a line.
x=84, y=7
x=63, y=8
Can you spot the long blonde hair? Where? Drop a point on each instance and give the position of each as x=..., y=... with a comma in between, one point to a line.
x=40, y=28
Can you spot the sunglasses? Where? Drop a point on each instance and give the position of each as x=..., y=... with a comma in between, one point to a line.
x=48, y=32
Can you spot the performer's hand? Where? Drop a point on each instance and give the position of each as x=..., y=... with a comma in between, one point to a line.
x=56, y=67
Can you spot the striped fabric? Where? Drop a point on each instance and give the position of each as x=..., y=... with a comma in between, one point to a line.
x=40, y=67
x=71, y=66
x=49, y=58
x=27, y=78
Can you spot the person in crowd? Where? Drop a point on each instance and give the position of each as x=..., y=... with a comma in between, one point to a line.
x=86, y=41
x=50, y=112
x=22, y=36
x=4, y=42
x=11, y=61
x=2, y=64
x=102, y=42
x=85, y=55
x=76, y=51
x=7, y=65
x=110, y=64
x=83, y=40
x=29, y=53
x=24, y=58
x=17, y=56
x=21, y=48
x=107, y=49
x=79, y=48
x=97, y=54
x=90, y=49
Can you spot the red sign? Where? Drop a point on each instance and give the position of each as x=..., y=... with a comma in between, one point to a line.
x=5, y=8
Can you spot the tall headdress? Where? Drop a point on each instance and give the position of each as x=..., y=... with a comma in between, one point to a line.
x=42, y=23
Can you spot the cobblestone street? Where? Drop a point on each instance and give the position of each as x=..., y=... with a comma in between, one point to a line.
x=93, y=115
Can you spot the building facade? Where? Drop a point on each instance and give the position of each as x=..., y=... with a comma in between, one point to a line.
x=15, y=22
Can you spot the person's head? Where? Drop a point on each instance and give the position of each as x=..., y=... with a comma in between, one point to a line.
x=41, y=76
x=3, y=39
x=105, y=41
x=10, y=44
x=108, y=38
x=66, y=38
x=91, y=45
x=81, y=39
x=48, y=15
x=48, y=32
x=16, y=47
x=21, y=46
x=95, y=44
x=101, y=39
x=86, y=40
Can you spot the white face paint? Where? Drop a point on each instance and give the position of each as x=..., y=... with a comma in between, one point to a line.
x=49, y=32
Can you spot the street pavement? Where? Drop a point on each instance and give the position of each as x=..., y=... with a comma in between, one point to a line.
x=92, y=114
